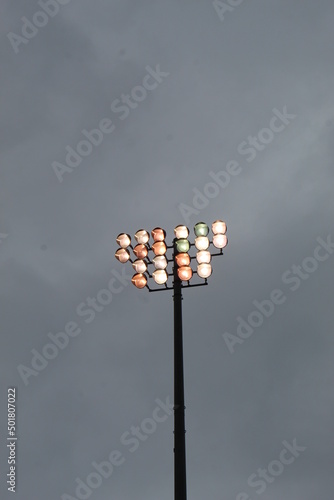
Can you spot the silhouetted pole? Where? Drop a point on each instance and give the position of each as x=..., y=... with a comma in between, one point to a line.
x=180, y=485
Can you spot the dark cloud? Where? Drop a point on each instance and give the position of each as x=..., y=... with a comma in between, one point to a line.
x=225, y=79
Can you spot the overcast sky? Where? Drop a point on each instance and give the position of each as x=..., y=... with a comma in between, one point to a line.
x=225, y=74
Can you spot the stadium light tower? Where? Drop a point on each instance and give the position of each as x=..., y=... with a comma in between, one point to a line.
x=181, y=274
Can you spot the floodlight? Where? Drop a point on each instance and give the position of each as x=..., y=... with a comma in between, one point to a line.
x=202, y=242
x=219, y=227
x=123, y=240
x=139, y=266
x=203, y=257
x=184, y=273
x=182, y=245
x=159, y=248
x=160, y=262
x=219, y=240
x=204, y=270
x=182, y=259
x=201, y=229
x=122, y=255
x=160, y=276
x=140, y=251
x=181, y=232
x=142, y=236
x=139, y=280
x=158, y=234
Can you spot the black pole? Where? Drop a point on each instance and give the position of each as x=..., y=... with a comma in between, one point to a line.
x=180, y=485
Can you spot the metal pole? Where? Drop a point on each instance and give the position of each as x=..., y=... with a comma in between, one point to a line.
x=180, y=486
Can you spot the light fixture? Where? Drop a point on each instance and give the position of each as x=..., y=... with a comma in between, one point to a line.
x=160, y=276
x=139, y=266
x=202, y=242
x=160, y=262
x=201, y=229
x=181, y=232
x=159, y=248
x=204, y=270
x=150, y=248
x=203, y=257
x=219, y=227
x=219, y=240
x=182, y=245
x=123, y=240
x=182, y=259
x=139, y=280
x=184, y=273
x=122, y=255
x=142, y=236
x=158, y=234
x=140, y=251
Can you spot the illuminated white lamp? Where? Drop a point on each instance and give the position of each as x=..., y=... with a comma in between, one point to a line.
x=203, y=257
x=142, y=236
x=202, y=242
x=181, y=232
x=160, y=276
x=219, y=227
x=139, y=266
x=204, y=270
x=122, y=255
x=219, y=240
x=123, y=240
x=160, y=262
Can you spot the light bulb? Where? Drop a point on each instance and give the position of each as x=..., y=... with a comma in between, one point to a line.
x=204, y=270
x=219, y=240
x=123, y=240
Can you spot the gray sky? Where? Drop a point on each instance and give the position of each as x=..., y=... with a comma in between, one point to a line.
x=223, y=77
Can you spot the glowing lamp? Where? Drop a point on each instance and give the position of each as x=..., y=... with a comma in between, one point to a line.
x=201, y=229
x=204, y=270
x=181, y=232
x=182, y=259
x=219, y=227
x=220, y=240
x=202, y=242
x=203, y=257
x=122, y=255
x=184, y=273
x=160, y=276
x=140, y=251
x=158, y=234
x=159, y=248
x=139, y=266
x=123, y=240
x=160, y=262
x=139, y=280
x=182, y=245
x=142, y=236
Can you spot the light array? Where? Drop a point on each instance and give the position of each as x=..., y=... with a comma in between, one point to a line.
x=181, y=258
